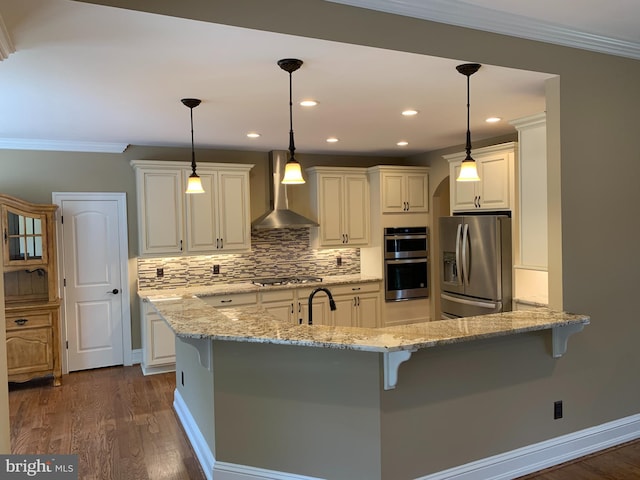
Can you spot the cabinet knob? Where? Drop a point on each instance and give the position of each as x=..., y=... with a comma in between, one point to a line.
x=115, y=291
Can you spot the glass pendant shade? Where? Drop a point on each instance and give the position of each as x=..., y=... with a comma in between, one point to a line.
x=468, y=171
x=194, y=185
x=292, y=173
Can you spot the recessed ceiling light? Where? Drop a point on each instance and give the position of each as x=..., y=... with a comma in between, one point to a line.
x=253, y=135
x=402, y=143
x=409, y=112
x=493, y=119
x=308, y=103
x=332, y=140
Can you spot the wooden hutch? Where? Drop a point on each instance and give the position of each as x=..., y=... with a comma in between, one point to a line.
x=32, y=304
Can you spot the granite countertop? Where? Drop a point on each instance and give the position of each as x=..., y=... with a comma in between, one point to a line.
x=247, y=287
x=193, y=318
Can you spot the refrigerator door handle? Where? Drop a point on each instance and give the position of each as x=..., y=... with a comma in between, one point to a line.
x=458, y=263
x=489, y=305
x=465, y=256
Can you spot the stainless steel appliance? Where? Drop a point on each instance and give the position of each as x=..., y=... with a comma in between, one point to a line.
x=475, y=261
x=406, y=263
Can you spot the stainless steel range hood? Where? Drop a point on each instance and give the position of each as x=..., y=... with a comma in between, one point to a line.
x=280, y=216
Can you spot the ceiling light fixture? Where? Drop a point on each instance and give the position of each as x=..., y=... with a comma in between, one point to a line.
x=493, y=119
x=194, y=185
x=292, y=170
x=332, y=140
x=468, y=169
x=409, y=112
x=402, y=143
x=253, y=135
x=308, y=103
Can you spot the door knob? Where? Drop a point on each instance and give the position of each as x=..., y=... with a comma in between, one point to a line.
x=114, y=291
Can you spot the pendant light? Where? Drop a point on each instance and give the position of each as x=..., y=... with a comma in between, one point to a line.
x=468, y=169
x=292, y=170
x=194, y=185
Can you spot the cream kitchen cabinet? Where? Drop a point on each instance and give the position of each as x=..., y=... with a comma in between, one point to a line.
x=292, y=305
x=174, y=223
x=402, y=189
x=230, y=300
x=358, y=305
x=340, y=202
x=495, y=190
x=158, y=342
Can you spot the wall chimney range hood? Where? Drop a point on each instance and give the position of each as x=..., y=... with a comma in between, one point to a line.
x=280, y=216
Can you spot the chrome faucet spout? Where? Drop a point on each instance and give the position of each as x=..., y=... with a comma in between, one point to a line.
x=332, y=304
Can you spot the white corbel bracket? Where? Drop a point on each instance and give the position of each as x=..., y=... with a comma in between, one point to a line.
x=392, y=361
x=560, y=337
x=203, y=347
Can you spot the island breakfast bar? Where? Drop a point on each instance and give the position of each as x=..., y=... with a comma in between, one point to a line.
x=263, y=398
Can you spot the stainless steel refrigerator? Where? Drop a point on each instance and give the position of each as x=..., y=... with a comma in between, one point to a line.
x=476, y=265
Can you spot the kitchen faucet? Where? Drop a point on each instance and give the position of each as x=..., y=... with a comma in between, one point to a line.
x=332, y=304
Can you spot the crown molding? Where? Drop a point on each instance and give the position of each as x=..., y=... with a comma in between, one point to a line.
x=6, y=45
x=61, y=146
x=462, y=14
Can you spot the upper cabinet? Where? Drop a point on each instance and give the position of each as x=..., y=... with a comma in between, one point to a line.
x=402, y=189
x=340, y=202
x=495, y=190
x=25, y=235
x=174, y=223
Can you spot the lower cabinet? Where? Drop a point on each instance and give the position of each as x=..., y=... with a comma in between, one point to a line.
x=158, y=341
x=292, y=305
x=358, y=305
x=32, y=343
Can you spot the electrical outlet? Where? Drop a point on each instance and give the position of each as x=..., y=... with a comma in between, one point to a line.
x=557, y=410
x=160, y=272
x=215, y=269
x=339, y=261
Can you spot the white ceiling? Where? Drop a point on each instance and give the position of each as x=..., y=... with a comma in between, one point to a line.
x=77, y=76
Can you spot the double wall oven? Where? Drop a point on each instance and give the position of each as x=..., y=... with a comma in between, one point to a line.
x=406, y=263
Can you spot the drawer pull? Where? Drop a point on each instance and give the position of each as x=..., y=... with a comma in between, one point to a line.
x=226, y=301
x=21, y=321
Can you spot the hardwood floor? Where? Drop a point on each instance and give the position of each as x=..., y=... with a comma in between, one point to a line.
x=122, y=426
x=119, y=422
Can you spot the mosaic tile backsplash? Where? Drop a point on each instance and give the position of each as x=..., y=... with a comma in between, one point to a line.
x=274, y=253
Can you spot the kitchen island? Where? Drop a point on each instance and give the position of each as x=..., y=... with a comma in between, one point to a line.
x=262, y=397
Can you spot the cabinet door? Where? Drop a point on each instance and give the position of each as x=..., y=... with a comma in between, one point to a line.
x=368, y=310
x=234, y=227
x=25, y=241
x=162, y=342
x=160, y=211
x=281, y=310
x=493, y=189
x=345, y=313
x=393, y=200
x=356, y=208
x=463, y=194
x=201, y=214
x=29, y=350
x=331, y=210
x=417, y=192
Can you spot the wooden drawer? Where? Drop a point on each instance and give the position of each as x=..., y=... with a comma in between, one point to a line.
x=233, y=300
x=15, y=321
x=355, y=288
x=286, y=295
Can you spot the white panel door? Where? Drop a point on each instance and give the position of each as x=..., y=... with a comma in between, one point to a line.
x=92, y=292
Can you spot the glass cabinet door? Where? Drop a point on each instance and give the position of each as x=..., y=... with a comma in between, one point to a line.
x=24, y=237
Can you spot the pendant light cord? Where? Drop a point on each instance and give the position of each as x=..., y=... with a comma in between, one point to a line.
x=193, y=152
x=468, y=149
x=292, y=147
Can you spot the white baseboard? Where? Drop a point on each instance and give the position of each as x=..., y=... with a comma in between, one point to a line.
x=198, y=443
x=505, y=466
x=539, y=456
x=136, y=356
